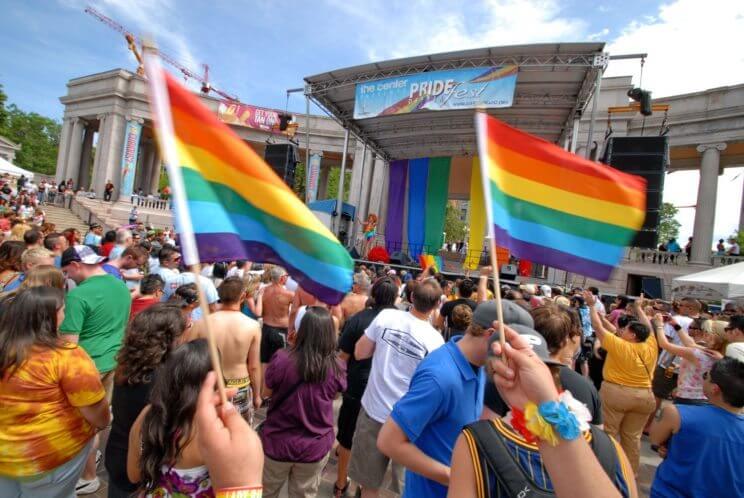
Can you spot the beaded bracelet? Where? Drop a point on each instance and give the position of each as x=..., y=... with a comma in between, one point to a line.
x=240, y=492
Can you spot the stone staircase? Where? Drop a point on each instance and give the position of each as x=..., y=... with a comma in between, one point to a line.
x=64, y=218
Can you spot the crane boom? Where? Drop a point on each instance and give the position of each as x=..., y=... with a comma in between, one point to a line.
x=133, y=40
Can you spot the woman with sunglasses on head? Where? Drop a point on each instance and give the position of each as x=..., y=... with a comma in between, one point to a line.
x=151, y=337
x=51, y=396
x=696, y=359
x=298, y=432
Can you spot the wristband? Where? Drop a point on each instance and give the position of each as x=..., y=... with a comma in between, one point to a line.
x=239, y=492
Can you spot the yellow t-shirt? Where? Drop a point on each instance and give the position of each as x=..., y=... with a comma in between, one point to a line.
x=629, y=363
x=41, y=427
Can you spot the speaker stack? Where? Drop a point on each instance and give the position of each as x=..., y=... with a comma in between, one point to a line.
x=283, y=160
x=646, y=157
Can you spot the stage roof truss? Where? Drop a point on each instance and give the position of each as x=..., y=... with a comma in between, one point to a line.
x=554, y=84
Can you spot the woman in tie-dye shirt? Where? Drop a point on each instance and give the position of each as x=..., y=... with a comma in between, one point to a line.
x=51, y=396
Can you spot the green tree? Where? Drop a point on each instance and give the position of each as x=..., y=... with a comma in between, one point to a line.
x=3, y=110
x=454, y=227
x=38, y=137
x=299, y=183
x=668, y=225
x=333, y=176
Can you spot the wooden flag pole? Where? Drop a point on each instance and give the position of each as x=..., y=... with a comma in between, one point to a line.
x=480, y=116
x=497, y=294
x=214, y=353
x=160, y=106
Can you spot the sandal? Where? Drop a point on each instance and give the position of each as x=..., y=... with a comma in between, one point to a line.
x=341, y=492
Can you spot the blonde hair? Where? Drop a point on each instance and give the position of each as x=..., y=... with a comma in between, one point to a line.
x=18, y=231
x=34, y=255
x=251, y=283
x=716, y=328
x=44, y=276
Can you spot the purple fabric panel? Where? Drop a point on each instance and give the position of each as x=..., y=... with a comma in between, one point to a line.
x=552, y=257
x=396, y=200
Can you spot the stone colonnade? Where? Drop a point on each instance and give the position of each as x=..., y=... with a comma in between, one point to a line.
x=76, y=149
x=705, y=211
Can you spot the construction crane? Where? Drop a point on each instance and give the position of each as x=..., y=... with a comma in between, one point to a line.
x=133, y=41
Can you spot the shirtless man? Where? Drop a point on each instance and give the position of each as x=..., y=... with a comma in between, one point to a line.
x=238, y=339
x=355, y=301
x=276, y=301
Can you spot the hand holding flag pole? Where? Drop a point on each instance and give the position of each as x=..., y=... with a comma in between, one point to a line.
x=159, y=103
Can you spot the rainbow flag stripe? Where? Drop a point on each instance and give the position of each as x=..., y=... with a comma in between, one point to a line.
x=552, y=207
x=240, y=209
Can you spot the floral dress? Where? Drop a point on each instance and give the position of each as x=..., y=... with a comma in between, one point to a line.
x=183, y=483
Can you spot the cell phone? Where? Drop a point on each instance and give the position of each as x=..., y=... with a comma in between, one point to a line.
x=666, y=317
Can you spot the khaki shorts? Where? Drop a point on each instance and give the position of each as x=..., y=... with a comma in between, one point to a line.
x=368, y=465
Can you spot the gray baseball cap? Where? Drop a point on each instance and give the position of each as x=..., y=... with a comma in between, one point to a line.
x=486, y=313
x=534, y=338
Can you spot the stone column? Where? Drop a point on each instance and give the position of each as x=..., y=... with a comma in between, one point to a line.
x=113, y=159
x=382, y=215
x=379, y=178
x=741, y=211
x=155, y=167
x=705, y=212
x=64, y=146
x=357, y=185
x=323, y=181
x=143, y=170
x=83, y=178
x=366, y=184
x=76, y=147
x=99, y=165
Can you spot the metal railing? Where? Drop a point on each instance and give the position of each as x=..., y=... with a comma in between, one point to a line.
x=656, y=257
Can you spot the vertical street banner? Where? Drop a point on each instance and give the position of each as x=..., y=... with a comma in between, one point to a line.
x=312, y=173
x=129, y=157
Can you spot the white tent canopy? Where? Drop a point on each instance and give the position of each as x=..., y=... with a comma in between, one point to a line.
x=8, y=167
x=724, y=282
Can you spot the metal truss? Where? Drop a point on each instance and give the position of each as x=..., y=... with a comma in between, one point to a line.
x=552, y=60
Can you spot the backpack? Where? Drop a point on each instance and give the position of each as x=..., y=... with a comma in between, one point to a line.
x=498, y=460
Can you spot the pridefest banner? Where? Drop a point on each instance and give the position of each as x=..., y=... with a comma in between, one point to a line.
x=129, y=157
x=483, y=87
x=248, y=115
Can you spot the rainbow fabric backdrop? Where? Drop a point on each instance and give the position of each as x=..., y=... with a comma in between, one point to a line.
x=240, y=209
x=552, y=207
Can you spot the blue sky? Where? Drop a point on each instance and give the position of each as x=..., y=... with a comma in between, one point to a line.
x=258, y=48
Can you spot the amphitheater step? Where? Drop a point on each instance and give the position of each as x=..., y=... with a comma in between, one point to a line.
x=64, y=218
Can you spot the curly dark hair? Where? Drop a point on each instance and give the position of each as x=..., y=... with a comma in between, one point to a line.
x=168, y=426
x=149, y=339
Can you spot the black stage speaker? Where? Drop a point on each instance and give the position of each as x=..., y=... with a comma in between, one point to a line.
x=646, y=157
x=283, y=160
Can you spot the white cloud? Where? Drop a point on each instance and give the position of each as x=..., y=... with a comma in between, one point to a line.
x=691, y=46
x=599, y=35
x=417, y=30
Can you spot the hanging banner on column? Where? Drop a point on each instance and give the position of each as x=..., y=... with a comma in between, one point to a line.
x=312, y=173
x=129, y=157
x=491, y=86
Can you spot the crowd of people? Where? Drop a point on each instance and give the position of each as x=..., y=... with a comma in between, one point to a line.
x=104, y=361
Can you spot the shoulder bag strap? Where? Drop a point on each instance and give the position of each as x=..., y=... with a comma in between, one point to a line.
x=500, y=461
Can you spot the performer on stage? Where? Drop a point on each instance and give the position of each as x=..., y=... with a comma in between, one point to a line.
x=370, y=231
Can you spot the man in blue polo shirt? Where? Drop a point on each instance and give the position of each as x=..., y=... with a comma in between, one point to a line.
x=445, y=394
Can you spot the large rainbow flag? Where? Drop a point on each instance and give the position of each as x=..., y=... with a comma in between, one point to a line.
x=228, y=202
x=552, y=207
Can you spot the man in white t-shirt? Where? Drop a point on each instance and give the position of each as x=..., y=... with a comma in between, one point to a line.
x=397, y=341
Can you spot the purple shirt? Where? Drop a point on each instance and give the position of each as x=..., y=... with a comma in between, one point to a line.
x=301, y=430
